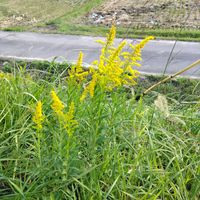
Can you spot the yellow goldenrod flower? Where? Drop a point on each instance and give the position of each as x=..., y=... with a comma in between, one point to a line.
x=71, y=111
x=5, y=75
x=92, y=85
x=101, y=66
x=81, y=76
x=57, y=104
x=138, y=47
x=111, y=36
x=117, y=52
x=77, y=73
x=101, y=42
x=2, y=75
x=109, y=40
x=79, y=63
x=146, y=40
x=89, y=88
x=38, y=117
x=68, y=120
x=114, y=67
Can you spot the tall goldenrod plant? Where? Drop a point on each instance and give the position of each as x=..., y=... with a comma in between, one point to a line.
x=67, y=123
x=66, y=119
x=114, y=68
x=38, y=119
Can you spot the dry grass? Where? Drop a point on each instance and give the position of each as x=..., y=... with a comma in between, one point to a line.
x=150, y=13
x=23, y=12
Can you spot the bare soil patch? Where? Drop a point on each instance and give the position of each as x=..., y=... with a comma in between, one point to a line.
x=17, y=20
x=31, y=12
x=148, y=13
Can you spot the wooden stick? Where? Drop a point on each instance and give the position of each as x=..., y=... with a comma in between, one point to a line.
x=169, y=77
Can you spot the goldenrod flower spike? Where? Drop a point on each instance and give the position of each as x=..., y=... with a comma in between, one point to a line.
x=79, y=63
x=115, y=67
x=2, y=75
x=111, y=36
x=38, y=117
x=5, y=75
x=89, y=88
x=70, y=113
x=92, y=85
x=68, y=120
x=77, y=73
x=57, y=104
x=117, y=51
x=138, y=48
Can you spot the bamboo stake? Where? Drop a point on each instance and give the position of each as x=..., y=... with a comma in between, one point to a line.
x=169, y=78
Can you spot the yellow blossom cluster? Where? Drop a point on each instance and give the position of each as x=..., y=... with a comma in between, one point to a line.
x=111, y=36
x=57, y=104
x=115, y=66
x=2, y=75
x=66, y=119
x=38, y=117
x=5, y=75
x=136, y=53
x=90, y=87
x=77, y=73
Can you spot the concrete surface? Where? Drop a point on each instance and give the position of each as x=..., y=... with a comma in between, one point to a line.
x=36, y=46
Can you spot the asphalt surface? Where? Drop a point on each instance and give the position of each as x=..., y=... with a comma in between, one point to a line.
x=156, y=55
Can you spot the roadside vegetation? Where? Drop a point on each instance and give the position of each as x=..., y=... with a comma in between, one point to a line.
x=76, y=17
x=70, y=133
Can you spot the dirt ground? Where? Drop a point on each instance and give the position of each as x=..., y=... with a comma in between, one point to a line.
x=30, y=12
x=135, y=13
x=148, y=13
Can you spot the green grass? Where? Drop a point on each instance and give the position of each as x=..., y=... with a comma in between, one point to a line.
x=165, y=34
x=41, y=10
x=169, y=34
x=121, y=148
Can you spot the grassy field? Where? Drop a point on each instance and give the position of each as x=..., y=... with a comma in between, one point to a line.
x=71, y=17
x=121, y=149
x=67, y=133
x=24, y=13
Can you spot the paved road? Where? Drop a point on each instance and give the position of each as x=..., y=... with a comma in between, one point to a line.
x=25, y=45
